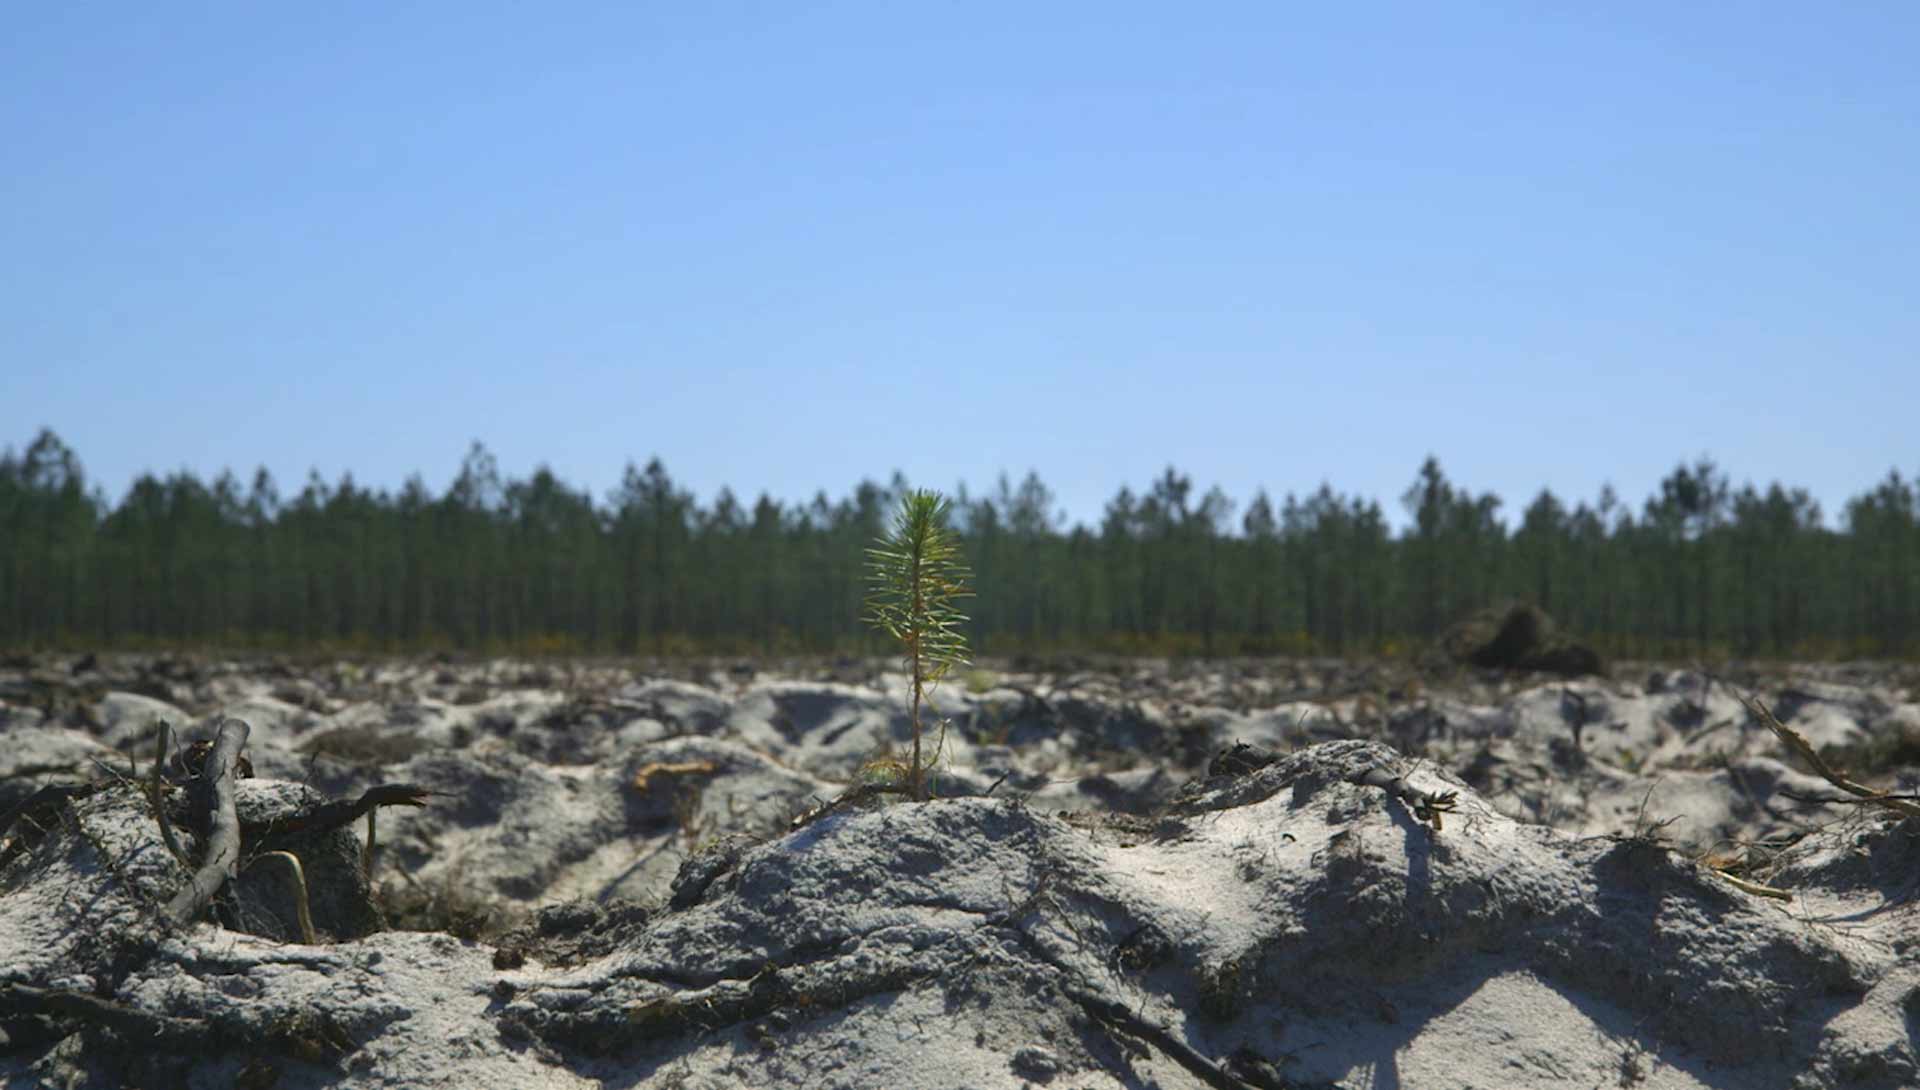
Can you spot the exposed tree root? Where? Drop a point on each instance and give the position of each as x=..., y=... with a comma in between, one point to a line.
x=217, y=778
x=297, y=886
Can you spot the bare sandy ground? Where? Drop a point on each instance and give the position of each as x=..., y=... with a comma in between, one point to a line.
x=632, y=875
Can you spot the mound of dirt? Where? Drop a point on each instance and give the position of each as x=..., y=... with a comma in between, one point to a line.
x=1519, y=636
x=1301, y=921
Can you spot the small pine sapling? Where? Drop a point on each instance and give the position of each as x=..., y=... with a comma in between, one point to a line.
x=917, y=577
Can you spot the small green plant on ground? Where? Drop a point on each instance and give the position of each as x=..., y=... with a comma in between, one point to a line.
x=917, y=579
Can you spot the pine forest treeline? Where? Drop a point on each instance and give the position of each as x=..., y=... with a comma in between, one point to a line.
x=533, y=564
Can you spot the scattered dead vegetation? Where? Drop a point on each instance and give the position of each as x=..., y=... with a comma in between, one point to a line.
x=1905, y=805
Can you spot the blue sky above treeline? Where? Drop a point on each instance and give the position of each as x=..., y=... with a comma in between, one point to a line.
x=788, y=247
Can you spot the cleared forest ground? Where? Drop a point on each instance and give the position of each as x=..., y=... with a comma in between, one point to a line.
x=623, y=858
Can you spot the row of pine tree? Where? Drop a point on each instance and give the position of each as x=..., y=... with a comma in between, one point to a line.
x=509, y=564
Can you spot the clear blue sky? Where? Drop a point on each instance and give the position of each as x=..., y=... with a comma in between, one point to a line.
x=786, y=246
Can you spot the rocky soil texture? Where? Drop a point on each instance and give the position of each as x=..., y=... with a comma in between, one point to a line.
x=1264, y=874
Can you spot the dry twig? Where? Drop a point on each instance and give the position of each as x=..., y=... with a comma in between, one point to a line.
x=156, y=794
x=1754, y=888
x=1798, y=744
x=847, y=799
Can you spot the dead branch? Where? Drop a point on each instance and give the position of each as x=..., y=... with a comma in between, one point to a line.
x=1118, y=1018
x=223, y=825
x=1426, y=805
x=1798, y=743
x=156, y=793
x=340, y=814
